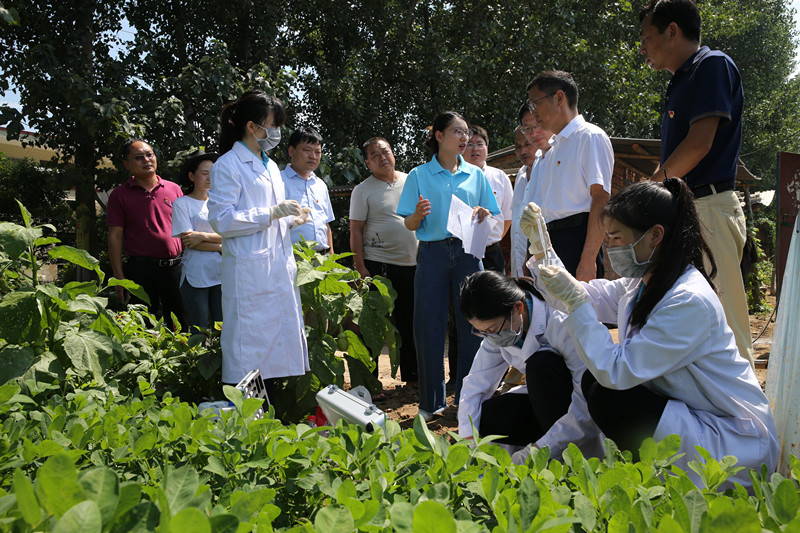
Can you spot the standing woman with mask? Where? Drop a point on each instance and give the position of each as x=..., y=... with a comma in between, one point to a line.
x=263, y=327
x=519, y=329
x=676, y=368
x=442, y=263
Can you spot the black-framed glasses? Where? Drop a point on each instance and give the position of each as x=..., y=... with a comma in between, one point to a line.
x=484, y=334
x=479, y=144
x=533, y=102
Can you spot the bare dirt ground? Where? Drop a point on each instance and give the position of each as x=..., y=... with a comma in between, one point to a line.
x=400, y=402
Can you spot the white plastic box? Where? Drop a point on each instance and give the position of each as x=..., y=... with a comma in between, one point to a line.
x=337, y=404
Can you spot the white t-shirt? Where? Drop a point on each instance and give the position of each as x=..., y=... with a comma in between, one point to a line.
x=386, y=238
x=581, y=156
x=201, y=269
x=504, y=194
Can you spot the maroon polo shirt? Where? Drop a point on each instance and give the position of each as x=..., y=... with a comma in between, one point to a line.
x=146, y=218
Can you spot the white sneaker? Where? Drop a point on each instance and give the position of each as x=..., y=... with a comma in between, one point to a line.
x=425, y=415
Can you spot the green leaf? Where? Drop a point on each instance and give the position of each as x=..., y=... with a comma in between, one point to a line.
x=130, y=286
x=102, y=486
x=529, y=501
x=57, y=485
x=433, y=517
x=181, y=486
x=251, y=503
x=402, y=516
x=142, y=518
x=224, y=523
x=334, y=519
x=15, y=239
x=89, y=351
x=190, y=519
x=78, y=257
x=786, y=501
x=235, y=395
x=250, y=406
x=26, y=215
x=129, y=496
x=20, y=320
x=83, y=517
x=27, y=503
x=696, y=507
x=457, y=458
x=15, y=361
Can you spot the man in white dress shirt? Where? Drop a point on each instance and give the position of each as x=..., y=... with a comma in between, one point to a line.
x=576, y=182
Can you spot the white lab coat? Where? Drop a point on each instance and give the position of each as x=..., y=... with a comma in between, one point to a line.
x=687, y=352
x=491, y=363
x=263, y=326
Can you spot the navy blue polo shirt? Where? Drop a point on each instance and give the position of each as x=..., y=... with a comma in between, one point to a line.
x=707, y=85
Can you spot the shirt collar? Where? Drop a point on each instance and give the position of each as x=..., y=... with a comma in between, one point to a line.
x=245, y=154
x=132, y=183
x=697, y=56
x=462, y=165
x=292, y=173
x=570, y=128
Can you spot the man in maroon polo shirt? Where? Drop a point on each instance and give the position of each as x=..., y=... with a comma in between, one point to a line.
x=139, y=219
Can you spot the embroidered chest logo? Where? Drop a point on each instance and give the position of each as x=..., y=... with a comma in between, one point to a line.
x=168, y=201
x=671, y=113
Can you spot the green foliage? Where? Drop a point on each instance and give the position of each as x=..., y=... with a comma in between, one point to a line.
x=342, y=312
x=66, y=334
x=95, y=459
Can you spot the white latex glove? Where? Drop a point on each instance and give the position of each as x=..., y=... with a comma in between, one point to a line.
x=534, y=227
x=303, y=217
x=558, y=284
x=520, y=457
x=284, y=209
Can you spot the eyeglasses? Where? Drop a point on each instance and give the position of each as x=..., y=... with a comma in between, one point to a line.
x=533, y=102
x=479, y=144
x=528, y=130
x=462, y=132
x=484, y=334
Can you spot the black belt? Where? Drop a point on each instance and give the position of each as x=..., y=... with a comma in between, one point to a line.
x=169, y=262
x=446, y=241
x=572, y=221
x=706, y=190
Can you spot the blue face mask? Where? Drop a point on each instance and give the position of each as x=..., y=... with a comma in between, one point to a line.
x=623, y=260
x=271, y=140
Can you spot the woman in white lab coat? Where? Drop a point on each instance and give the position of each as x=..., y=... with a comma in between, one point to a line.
x=263, y=327
x=676, y=368
x=519, y=329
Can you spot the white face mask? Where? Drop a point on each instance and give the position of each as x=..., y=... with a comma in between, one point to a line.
x=271, y=140
x=623, y=260
x=505, y=337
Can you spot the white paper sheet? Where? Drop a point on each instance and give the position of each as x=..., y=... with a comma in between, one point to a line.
x=473, y=235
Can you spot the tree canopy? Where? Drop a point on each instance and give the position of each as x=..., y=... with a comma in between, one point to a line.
x=358, y=68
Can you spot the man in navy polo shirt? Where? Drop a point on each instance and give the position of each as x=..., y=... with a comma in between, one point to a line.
x=701, y=134
x=139, y=219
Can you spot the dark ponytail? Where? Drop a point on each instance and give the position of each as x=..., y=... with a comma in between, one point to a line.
x=487, y=294
x=441, y=123
x=670, y=204
x=252, y=105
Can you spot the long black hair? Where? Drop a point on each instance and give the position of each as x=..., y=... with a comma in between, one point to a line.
x=643, y=205
x=252, y=105
x=487, y=294
x=441, y=123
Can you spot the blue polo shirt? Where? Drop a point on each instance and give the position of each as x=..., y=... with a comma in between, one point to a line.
x=438, y=185
x=707, y=85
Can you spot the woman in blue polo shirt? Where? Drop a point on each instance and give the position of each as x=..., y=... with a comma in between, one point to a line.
x=442, y=263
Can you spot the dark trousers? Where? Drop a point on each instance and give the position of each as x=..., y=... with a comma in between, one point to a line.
x=162, y=285
x=493, y=259
x=525, y=418
x=402, y=278
x=568, y=235
x=625, y=416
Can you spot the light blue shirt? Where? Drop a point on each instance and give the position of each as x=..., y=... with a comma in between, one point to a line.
x=437, y=185
x=311, y=193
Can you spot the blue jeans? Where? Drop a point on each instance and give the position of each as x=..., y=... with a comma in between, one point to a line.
x=441, y=268
x=203, y=305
